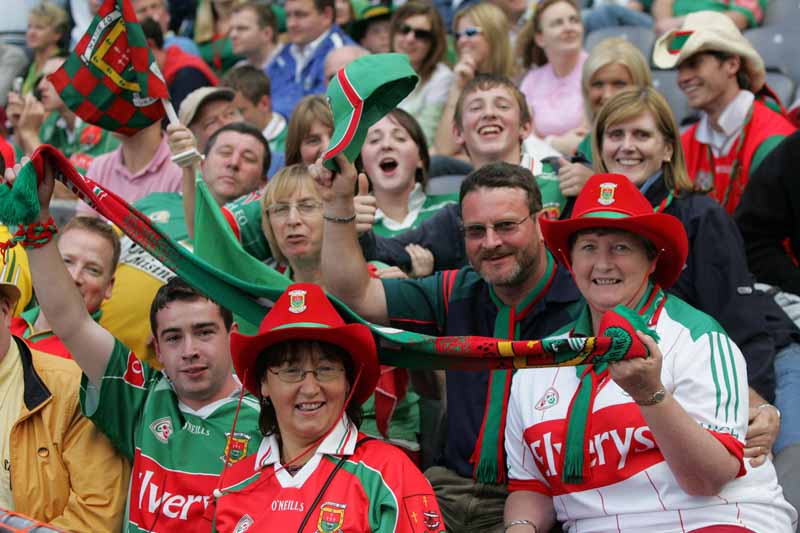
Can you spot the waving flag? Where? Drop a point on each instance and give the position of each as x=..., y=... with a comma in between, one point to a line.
x=111, y=79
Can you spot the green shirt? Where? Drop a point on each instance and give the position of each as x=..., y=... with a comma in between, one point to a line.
x=420, y=208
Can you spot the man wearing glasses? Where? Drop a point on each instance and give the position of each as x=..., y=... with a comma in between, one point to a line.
x=512, y=289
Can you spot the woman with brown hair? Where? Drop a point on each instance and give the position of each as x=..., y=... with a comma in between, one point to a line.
x=417, y=30
x=309, y=131
x=551, y=48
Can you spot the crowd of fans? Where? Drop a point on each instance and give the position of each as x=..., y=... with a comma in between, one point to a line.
x=473, y=208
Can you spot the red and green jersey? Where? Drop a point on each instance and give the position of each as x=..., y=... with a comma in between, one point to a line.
x=762, y=133
x=753, y=10
x=376, y=489
x=177, y=452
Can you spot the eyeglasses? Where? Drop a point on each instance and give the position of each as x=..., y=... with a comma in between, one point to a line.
x=468, y=32
x=295, y=374
x=304, y=207
x=419, y=33
x=502, y=228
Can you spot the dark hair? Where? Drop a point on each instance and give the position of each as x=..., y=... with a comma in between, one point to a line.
x=100, y=228
x=410, y=124
x=265, y=16
x=289, y=352
x=152, y=31
x=649, y=247
x=311, y=108
x=177, y=290
x=742, y=77
x=245, y=129
x=502, y=174
x=438, y=48
x=252, y=82
x=485, y=82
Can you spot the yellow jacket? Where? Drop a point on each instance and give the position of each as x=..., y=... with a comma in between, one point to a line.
x=63, y=470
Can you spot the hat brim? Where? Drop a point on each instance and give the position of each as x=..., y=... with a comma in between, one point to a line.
x=664, y=231
x=355, y=339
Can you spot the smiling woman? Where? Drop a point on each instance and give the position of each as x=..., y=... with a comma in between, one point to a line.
x=314, y=469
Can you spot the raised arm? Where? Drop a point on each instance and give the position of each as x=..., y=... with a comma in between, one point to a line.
x=343, y=266
x=59, y=298
x=181, y=139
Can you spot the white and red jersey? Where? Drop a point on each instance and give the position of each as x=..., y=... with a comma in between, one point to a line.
x=631, y=487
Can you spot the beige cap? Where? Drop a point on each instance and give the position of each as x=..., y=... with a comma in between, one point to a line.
x=195, y=100
x=709, y=31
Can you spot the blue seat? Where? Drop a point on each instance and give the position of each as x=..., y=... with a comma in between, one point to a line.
x=782, y=12
x=778, y=46
x=639, y=36
x=666, y=83
x=783, y=86
x=444, y=184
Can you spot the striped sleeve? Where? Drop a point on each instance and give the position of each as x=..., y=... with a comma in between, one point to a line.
x=711, y=385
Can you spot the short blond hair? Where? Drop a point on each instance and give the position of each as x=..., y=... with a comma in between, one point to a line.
x=614, y=51
x=283, y=185
x=51, y=15
x=630, y=104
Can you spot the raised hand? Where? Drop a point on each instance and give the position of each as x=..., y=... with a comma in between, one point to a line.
x=46, y=184
x=572, y=177
x=365, y=204
x=421, y=260
x=639, y=377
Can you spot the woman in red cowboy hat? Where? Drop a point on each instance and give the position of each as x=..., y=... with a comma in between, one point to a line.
x=314, y=471
x=650, y=444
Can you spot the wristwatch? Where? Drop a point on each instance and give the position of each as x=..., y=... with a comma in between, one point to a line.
x=655, y=398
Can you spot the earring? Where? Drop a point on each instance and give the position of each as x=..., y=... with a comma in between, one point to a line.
x=265, y=401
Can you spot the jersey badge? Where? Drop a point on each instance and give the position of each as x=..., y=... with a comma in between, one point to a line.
x=421, y=512
x=297, y=301
x=243, y=524
x=607, y=193
x=548, y=400
x=235, y=447
x=331, y=516
x=160, y=217
x=162, y=428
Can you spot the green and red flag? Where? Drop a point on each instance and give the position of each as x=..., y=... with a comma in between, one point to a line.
x=111, y=79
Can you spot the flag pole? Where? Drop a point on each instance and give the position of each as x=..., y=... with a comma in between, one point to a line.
x=188, y=157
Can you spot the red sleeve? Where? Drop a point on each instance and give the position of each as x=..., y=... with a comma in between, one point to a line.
x=530, y=485
x=734, y=446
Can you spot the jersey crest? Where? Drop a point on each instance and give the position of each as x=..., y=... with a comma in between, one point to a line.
x=162, y=428
x=548, y=400
x=243, y=524
x=421, y=512
x=236, y=447
x=331, y=517
x=134, y=374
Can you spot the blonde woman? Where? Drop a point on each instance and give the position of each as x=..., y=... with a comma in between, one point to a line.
x=47, y=26
x=483, y=45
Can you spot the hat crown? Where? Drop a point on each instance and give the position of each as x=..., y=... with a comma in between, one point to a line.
x=301, y=305
x=610, y=193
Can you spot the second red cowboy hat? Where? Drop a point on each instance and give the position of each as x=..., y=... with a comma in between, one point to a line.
x=612, y=201
x=303, y=312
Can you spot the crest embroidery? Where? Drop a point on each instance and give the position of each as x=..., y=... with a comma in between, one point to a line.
x=331, y=516
x=297, y=301
x=548, y=400
x=235, y=447
x=162, y=429
x=607, y=193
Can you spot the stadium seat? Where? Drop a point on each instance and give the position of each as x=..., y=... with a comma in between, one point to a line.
x=782, y=12
x=778, y=46
x=444, y=184
x=665, y=82
x=783, y=86
x=641, y=37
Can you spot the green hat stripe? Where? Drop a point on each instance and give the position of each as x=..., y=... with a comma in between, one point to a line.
x=358, y=106
x=301, y=325
x=678, y=41
x=605, y=214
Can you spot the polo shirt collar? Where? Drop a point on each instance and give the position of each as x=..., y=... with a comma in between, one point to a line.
x=731, y=121
x=415, y=202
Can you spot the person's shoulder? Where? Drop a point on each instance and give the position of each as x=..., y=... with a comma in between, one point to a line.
x=678, y=314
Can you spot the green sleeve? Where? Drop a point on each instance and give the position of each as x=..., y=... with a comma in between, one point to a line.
x=118, y=403
x=763, y=151
x=585, y=147
x=417, y=304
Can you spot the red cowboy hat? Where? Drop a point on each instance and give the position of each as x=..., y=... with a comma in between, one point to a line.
x=612, y=201
x=303, y=312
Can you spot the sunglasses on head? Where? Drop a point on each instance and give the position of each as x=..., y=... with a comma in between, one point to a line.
x=419, y=34
x=468, y=32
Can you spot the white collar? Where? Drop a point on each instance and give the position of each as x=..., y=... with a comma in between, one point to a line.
x=340, y=441
x=731, y=121
x=302, y=55
x=415, y=202
x=275, y=126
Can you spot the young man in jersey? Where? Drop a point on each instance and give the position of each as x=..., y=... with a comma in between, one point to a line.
x=90, y=249
x=721, y=74
x=512, y=289
x=173, y=426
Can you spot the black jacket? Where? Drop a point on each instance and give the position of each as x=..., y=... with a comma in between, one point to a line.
x=716, y=281
x=769, y=213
